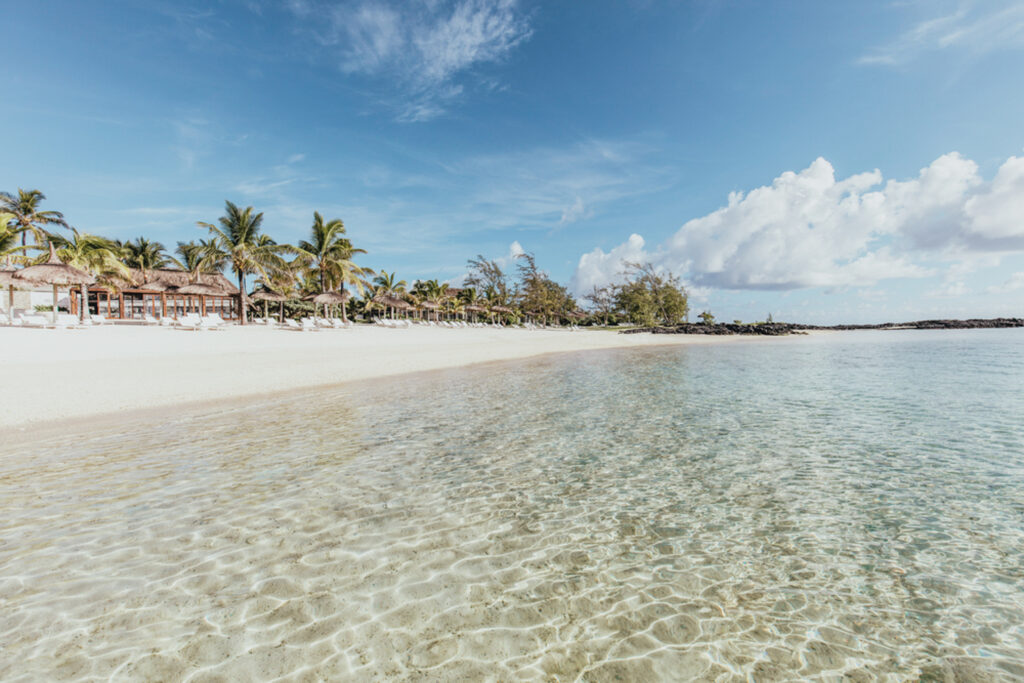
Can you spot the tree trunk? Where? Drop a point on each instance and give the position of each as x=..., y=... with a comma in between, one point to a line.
x=85, y=302
x=54, y=304
x=344, y=316
x=241, y=298
x=280, y=313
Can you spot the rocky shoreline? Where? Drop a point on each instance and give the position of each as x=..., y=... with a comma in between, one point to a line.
x=779, y=329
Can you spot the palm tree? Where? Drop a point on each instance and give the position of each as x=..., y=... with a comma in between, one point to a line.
x=469, y=297
x=330, y=256
x=93, y=254
x=25, y=209
x=436, y=292
x=238, y=242
x=198, y=258
x=10, y=251
x=388, y=285
x=284, y=282
x=145, y=255
x=493, y=298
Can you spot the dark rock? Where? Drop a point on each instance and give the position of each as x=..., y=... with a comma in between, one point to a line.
x=779, y=329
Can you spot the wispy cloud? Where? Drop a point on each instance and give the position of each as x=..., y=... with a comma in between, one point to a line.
x=976, y=26
x=427, y=48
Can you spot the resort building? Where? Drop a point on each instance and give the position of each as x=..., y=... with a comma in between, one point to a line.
x=161, y=293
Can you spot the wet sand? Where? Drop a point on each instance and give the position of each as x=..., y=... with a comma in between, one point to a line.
x=54, y=375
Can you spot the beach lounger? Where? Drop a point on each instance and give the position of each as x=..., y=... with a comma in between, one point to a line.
x=34, y=321
x=190, y=321
x=212, y=322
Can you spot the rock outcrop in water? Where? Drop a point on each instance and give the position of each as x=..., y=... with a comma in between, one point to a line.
x=779, y=329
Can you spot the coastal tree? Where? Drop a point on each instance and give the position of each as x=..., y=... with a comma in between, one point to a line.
x=145, y=255
x=329, y=254
x=707, y=318
x=540, y=294
x=238, y=240
x=96, y=255
x=649, y=298
x=10, y=250
x=388, y=284
x=602, y=300
x=27, y=215
x=485, y=274
x=198, y=257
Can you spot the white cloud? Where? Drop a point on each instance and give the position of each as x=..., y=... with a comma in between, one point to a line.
x=597, y=268
x=808, y=229
x=977, y=26
x=423, y=47
x=996, y=215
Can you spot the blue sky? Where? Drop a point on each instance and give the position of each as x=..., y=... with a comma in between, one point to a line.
x=823, y=161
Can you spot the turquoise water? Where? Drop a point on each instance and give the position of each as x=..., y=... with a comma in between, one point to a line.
x=813, y=508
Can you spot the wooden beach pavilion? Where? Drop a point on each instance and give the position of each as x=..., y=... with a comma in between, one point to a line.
x=162, y=293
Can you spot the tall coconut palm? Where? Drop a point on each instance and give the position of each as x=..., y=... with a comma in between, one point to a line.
x=198, y=258
x=388, y=284
x=25, y=208
x=241, y=245
x=330, y=255
x=469, y=297
x=493, y=298
x=146, y=255
x=93, y=254
x=10, y=250
x=435, y=292
x=285, y=282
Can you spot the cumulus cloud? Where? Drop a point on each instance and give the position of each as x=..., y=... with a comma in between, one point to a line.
x=597, y=268
x=424, y=47
x=810, y=229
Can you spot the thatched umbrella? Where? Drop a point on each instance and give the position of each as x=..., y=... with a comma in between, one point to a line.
x=501, y=309
x=473, y=308
x=266, y=296
x=392, y=302
x=201, y=290
x=329, y=298
x=54, y=272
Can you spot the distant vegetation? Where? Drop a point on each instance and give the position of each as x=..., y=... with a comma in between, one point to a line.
x=326, y=262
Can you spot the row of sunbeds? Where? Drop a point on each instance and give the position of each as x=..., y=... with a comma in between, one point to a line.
x=67, y=321
x=305, y=324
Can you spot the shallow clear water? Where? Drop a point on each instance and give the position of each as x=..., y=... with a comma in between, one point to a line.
x=773, y=510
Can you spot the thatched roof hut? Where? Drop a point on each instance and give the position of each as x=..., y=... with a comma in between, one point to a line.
x=54, y=272
x=173, y=280
x=392, y=302
x=501, y=309
x=198, y=288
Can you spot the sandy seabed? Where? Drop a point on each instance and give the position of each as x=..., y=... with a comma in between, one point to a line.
x=53, y=375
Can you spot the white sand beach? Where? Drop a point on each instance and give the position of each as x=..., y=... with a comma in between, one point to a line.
x=53, y=375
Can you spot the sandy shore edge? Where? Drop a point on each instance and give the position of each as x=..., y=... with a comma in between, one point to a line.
x=54, y=376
